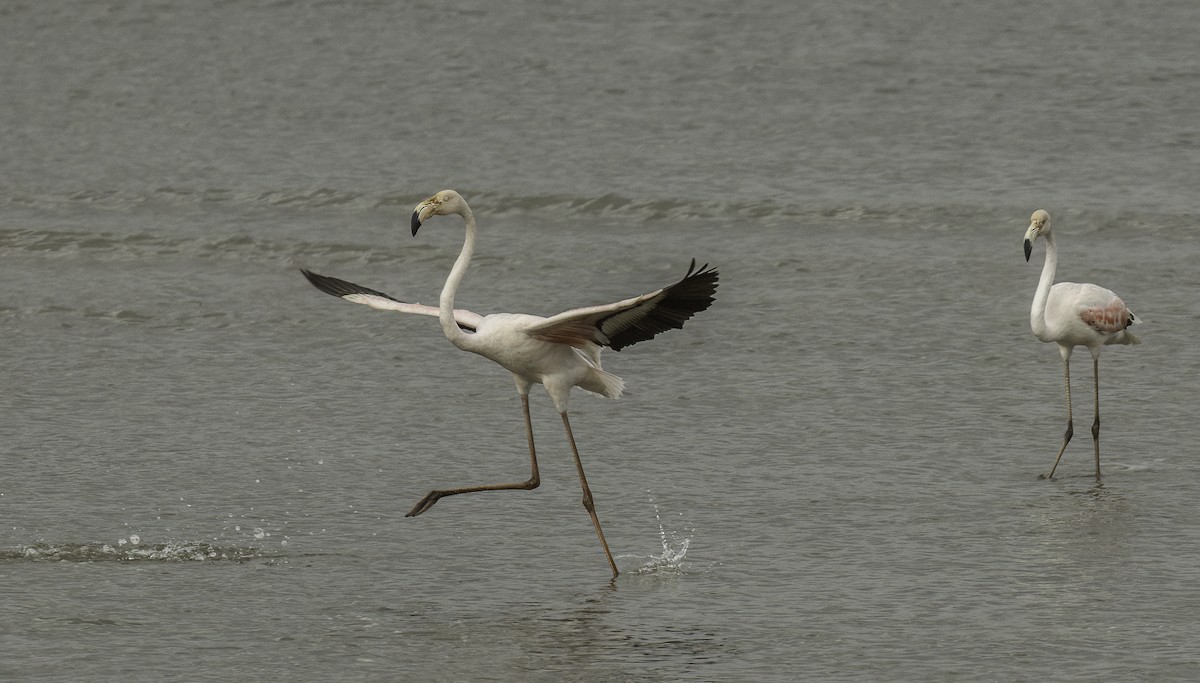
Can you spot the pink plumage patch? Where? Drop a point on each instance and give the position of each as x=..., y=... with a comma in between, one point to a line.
x=1108, y=319
x=573, y=333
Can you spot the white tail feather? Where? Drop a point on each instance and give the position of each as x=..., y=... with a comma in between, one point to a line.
x=604, y=383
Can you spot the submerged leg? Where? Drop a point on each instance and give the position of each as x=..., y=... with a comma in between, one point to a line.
x=1096, y=424
x=587, y=494
x=531, y=483
x=1070, y=421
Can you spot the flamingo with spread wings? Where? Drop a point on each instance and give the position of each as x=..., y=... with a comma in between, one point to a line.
x=558, y=352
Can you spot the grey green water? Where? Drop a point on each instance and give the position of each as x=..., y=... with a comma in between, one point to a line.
x=829, y=475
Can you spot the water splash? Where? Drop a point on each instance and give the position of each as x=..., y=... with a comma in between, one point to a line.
x=674, y=548
x=130, y=550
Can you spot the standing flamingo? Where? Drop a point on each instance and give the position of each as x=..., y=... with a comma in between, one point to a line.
x=1073, y=314
x=558, y=352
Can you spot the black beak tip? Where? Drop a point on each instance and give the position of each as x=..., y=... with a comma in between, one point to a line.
x=416, y=223
x=1028, y=248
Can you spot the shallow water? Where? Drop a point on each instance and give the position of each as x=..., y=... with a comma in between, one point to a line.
x=831, y=474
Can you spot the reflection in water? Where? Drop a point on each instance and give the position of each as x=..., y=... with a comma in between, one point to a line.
x=1091, y=528
x=599, y=633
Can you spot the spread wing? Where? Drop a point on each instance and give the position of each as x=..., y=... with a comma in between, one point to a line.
x=627, y=322
x=361, y=295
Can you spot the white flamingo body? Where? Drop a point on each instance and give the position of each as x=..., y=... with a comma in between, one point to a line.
x=1083, y=314
x=1074, y=314
x=510, y=340
x=559, y=352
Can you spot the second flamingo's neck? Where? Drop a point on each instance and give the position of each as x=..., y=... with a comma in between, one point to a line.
x=1037, y=314
x=446, y=302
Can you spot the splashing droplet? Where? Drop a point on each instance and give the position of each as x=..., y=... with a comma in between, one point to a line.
x=674, y=549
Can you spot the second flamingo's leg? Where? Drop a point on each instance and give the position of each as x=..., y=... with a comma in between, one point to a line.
x=1070, y=420
x=1096, y=424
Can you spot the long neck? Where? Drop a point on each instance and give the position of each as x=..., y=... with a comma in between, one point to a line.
x=446, y=302
x=1037, y=314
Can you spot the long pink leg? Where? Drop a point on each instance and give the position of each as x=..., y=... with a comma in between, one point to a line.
x=1070, y=420
x=1096, y=424
x=531, y=483
x=587, y=494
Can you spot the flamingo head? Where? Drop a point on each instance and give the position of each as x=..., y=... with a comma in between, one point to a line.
x=443, y=203
x=1039, y=226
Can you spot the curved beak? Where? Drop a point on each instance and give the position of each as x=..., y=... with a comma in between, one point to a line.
x=1028, y=242
x=1030, y=236
x=422, y=212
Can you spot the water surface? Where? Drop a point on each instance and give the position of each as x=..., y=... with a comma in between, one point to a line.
x=831, y=474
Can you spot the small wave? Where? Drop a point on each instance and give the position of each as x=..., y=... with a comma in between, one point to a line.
x=266, y=237
x=171, y=194
x=111, y=246
x=259, y=244
x=130, y=550
x=645, y=209
x=762, y=209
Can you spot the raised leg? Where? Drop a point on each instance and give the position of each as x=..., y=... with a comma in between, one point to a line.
x=1070, y=420
x=1096, y=424
x=587, y=494
x=531, y=483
